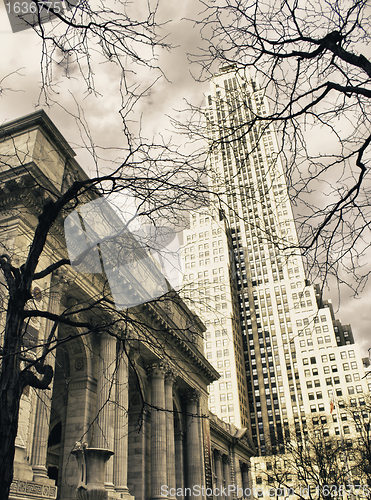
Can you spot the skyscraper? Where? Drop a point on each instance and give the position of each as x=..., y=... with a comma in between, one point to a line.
x=297, y=358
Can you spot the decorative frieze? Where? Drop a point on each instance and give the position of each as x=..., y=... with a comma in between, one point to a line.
x=31, y=489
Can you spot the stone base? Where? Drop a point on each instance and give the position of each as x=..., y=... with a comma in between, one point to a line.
x=24, y=490
x=118, y=494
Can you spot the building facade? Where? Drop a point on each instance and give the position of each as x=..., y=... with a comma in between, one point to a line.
x=298, y=359
x=131, y=393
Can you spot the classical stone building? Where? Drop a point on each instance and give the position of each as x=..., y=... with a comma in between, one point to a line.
x=136, y=387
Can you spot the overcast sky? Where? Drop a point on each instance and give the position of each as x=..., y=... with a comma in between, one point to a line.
x=21, y=52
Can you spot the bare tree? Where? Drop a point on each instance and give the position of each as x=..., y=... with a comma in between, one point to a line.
x=310, y=62
x=164, y=183
x=360, y=418
x=316, y=463
x=164, y=189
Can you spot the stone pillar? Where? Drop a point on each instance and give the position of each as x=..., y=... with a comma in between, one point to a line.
x=227, y=473
x=237, y=475
x=170, y=440
x=194, y=446
x=43, y=403
x=120, y=459
x=179, y=471
x=106, y=393
x=158, y=430
x=218, y=471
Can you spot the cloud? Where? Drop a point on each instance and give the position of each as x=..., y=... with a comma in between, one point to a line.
x=100, y=111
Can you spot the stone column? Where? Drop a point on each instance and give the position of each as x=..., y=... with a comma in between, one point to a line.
x=237, y=473
x=194, y=446
x=226, y=472
x=43, y=403
x=106, y=393
x=179, y=471
x=120, y=459
x=170, y=441
x=158, y=430
x=218, y=471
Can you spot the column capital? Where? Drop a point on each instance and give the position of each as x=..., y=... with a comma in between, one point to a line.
x=226, y=459
x=191, y=395
x=157, y=369
x=170, y=376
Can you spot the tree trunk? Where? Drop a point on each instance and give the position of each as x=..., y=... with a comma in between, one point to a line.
x=9, y=409
x=10, y=392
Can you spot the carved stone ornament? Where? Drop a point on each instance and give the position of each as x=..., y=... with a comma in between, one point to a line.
x=157, y=369
x=91, y=469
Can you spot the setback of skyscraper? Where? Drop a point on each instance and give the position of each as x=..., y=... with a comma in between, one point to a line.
x=244, y=274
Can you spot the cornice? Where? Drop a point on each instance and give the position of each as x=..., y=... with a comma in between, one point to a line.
x=38, y=119
x=191, y=352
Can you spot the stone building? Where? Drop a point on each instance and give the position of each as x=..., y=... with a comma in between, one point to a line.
x=137, y=388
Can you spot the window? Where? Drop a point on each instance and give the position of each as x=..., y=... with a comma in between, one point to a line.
x=353, y=365
x=326, y=369
x=346, y=366
x=343, y=355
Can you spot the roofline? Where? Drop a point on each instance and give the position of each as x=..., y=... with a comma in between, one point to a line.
x=40, y=119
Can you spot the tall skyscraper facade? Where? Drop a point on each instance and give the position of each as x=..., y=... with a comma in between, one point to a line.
x=287, y=356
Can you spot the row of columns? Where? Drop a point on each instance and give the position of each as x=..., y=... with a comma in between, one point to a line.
x=222, y=473
x=222, y=476
x=111, y=430
x=163, y=450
